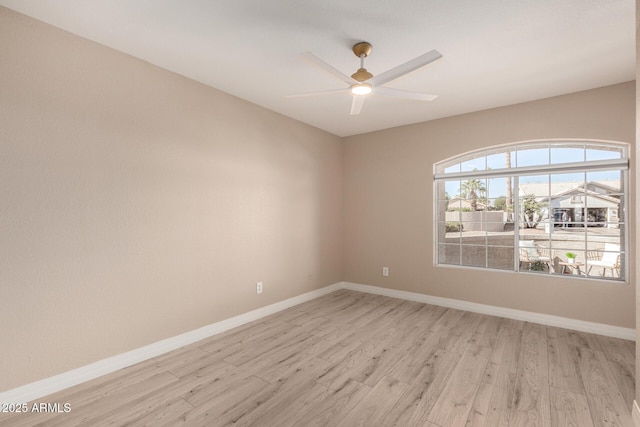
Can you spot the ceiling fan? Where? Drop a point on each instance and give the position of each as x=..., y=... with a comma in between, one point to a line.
x=362, y=82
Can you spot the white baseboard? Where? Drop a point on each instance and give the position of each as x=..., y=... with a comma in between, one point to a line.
x=528, y=316
x=47, y=386
x=635, y=414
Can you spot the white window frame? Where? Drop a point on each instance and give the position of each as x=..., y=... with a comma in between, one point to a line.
x=515, y=173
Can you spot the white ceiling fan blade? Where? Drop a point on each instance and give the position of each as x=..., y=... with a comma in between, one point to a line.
x=356, y=104
x=404, y=94
x=405, y=68
x=328, y=68
x=320, y=93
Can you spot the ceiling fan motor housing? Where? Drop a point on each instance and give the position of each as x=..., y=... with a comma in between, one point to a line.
x=362, y=48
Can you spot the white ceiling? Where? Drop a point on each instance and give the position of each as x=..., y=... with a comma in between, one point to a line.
x=496, y=52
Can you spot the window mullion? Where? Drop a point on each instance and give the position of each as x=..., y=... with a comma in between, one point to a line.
x=515, y=192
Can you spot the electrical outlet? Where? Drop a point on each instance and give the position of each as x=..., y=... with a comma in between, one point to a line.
x=385, y=271
x=259, y=288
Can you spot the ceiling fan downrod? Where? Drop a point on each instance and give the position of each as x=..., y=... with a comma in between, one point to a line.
x=361, y=50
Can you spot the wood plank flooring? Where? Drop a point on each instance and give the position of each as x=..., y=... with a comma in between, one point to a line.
x=354, y=359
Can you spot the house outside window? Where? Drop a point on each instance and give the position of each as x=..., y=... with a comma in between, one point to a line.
x=544, y=207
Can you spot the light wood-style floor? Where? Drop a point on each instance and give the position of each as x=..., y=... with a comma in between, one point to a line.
x=351, y=359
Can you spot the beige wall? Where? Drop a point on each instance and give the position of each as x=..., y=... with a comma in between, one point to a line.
x=388, y=201
x=136, y=205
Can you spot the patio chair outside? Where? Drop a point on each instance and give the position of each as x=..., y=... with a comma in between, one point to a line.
x=530, y=253
x=609, y=259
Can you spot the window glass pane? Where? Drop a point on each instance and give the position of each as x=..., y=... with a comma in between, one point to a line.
x=450, y=209
x=598, y=236
x=453, y=231
x=478, y=164
x=532, y=157
x=567, y=200
x=568, y=238
x=564, y=182
x=567, y=154
x=478, y=223
x=571, y=262
x=500, y=241
x=603, y=153
x=473, y=233
x=449, y=254
x=596, y=216
x=500, y=257
x=605, y=260
x=451, y=189
x=501, y=160
x=498, y=210
x=533, y=203
x=535, y=266
x=474, y=194
x=534, y=254
x=452, y=215
x=533, y=243
x=451, y=169
x=496, y=187
x=503, y=237
x=564, y=243
x=577, y=254
x=497, y=191
x=474, y=256
x=607, y=183
x=536, y=185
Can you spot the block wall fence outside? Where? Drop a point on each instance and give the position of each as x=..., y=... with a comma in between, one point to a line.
x=479, y=220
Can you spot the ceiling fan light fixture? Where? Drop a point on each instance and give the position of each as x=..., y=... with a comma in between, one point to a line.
x=361, y=89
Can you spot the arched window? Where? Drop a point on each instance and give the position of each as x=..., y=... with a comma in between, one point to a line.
x=548, y=207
